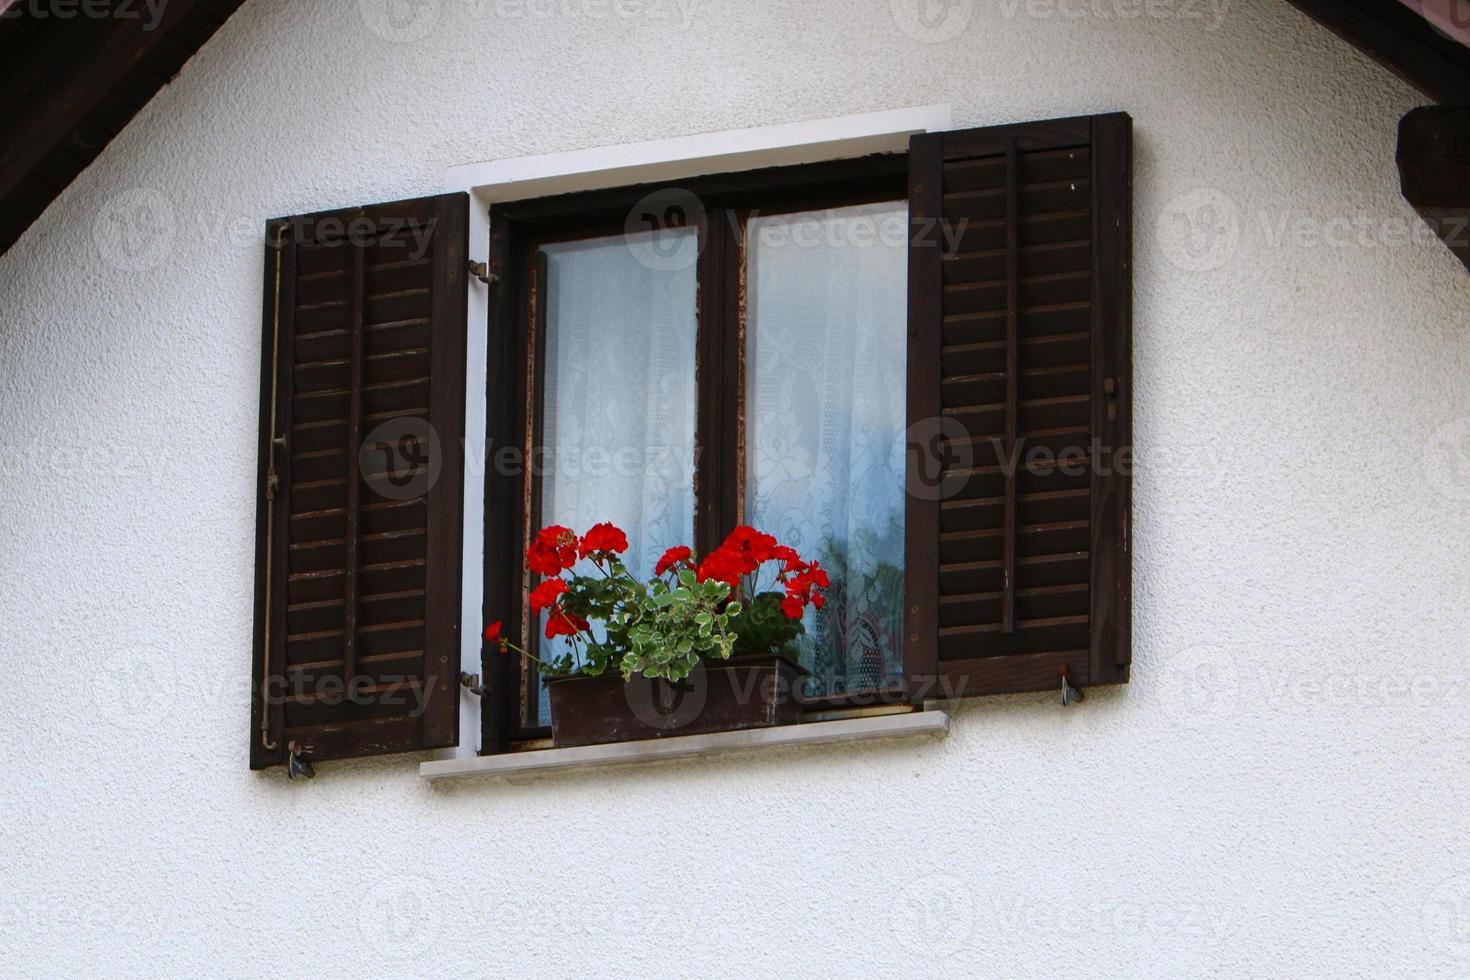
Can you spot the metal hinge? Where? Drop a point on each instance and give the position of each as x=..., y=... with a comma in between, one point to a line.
x=481, y=271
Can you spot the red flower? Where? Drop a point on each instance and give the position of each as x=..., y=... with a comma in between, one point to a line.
x=672, y=557
x=563, y=623
x=553, y=551
x=724, y=565
x=492, y=634
x=792, y=560
x=744, y=551
x=792, y=607
x=750, y=543
x=604, y=537
x=805, y=586
x=545, y=594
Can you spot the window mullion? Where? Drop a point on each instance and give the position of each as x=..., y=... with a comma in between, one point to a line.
x=720, y=398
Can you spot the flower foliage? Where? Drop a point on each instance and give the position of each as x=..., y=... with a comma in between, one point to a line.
x=692, y=608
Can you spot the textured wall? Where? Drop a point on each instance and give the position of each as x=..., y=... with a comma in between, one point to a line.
x=1281, y=788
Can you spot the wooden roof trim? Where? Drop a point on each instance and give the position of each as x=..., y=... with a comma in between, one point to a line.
x=1400, y=36
x=72, y=84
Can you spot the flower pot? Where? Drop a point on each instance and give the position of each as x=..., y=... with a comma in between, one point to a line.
x=719, y=696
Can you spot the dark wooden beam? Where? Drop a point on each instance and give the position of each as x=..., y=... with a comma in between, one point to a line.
x=1434, y=171
x=70, y=84
x=73, y=85
x=1400, y=39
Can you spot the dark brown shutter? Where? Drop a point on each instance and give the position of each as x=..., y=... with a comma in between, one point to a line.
x=361, y=478
x=1020, y=382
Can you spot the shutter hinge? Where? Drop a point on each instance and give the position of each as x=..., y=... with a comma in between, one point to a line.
x=471, y=682
x=481, y=271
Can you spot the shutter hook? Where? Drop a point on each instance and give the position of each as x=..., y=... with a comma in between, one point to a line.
x=297, y=766
x=1070, y=693
x=471, y=682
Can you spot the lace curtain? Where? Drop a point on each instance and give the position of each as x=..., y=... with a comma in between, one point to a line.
x=826, y=367
x=619, y=413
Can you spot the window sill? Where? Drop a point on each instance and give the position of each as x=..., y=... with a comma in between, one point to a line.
x=931, y=723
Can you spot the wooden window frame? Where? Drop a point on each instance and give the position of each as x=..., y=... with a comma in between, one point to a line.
x=516, y=363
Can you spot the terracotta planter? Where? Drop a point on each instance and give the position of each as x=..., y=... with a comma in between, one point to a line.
x=719, y=696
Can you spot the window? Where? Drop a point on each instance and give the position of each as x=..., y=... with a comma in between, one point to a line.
x=915, y=366
x=649, y=348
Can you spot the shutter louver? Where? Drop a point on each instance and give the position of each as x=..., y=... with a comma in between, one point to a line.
x=361, y=477
x=1020, y=382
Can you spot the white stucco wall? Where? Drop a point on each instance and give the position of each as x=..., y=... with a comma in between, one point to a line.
x=1281, y=788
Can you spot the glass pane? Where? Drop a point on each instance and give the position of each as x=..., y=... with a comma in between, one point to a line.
x=826, y=379
x=618, y=416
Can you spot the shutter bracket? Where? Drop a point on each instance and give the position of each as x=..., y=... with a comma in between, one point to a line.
x=1070, y=693
x=471, y=683
x=297, y=766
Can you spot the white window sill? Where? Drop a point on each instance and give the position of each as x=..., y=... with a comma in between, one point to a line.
x=931, y=723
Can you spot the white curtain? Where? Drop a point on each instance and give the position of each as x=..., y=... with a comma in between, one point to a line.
x=826, y=381
x=619, y=413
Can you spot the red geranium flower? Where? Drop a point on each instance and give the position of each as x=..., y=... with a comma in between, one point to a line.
x=751, y=544
x=792, y=607
x=492, y=634
x=672, y=557
x=545, y=594
x=553, y=551
x=604, y=537
x=563, y=623
x=723, y=565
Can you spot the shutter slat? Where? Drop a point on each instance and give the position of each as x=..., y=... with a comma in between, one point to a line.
x=1012, y=369
x=369, y=329
x=1025, y=326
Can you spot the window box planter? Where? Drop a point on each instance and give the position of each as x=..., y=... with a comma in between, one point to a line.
x=756, y=691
